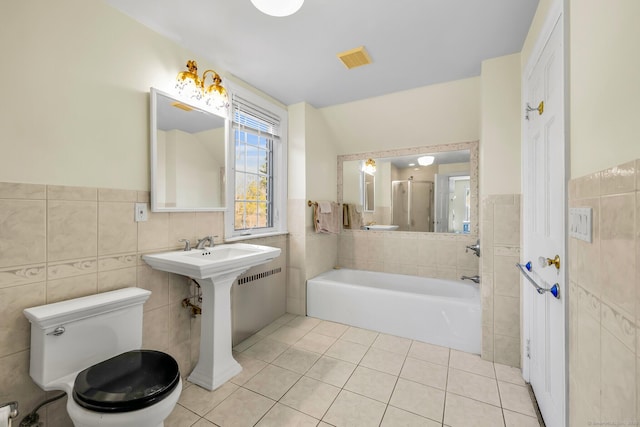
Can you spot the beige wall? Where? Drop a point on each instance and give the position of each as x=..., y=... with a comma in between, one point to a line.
x=312, y=176
x=430, y=115
x=75, y=81
x=604, y=292
x=78, y=75
x=603, y=350
x=500, y=126
x=321, y=159
x=59, y=242
x=604, y=84
x=435, y=255
x=500, y=173
x=500, y=287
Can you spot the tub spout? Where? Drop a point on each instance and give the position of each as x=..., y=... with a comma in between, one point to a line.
x=474, y=279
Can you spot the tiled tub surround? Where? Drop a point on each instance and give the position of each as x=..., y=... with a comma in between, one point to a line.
x=310, y=254
x=604, y=301
x=60, y=242
x=300, y=371
x=500, y=286
x=437, y=255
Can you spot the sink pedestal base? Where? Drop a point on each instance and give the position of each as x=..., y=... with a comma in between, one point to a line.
x=216, y=364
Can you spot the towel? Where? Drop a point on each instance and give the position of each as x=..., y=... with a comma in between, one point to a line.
x=353, y=216
x=327, y=222
x=325, y=207
x=345, y=215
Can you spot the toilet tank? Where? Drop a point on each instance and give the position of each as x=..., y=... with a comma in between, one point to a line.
x=69, y=336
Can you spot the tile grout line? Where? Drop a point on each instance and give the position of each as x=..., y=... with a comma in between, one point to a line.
x=358, y=364
x=446, y=388
x=504, y=420
x=395, y=385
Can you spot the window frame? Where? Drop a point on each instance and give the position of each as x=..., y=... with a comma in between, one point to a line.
x=279, y=169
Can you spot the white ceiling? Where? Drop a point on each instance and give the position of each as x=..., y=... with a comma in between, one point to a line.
x=412, y=43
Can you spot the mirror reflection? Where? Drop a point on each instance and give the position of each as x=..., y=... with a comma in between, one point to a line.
x=188, y=156
x=425, y=192
x=369, y=192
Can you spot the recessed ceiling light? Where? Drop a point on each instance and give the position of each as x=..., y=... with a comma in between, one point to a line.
x=278, y=8
x=412, y=164
x=426, y=160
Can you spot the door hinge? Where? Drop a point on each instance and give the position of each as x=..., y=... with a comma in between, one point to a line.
x=528, y=349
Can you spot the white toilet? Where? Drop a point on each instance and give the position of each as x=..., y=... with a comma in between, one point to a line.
x=90, y=348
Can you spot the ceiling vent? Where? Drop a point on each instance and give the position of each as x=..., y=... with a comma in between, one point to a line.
x=355, y=57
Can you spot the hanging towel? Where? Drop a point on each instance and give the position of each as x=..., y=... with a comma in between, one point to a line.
x=356, y=217
x=325, y=207
x=346, y=208
x=352, y=216
x=327, y=222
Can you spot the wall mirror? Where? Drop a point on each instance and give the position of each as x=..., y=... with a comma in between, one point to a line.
x=188, y=156
x=369, y=192
x=440, y=195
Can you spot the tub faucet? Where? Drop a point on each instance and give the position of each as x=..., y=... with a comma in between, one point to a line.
x=204, y=240
x=474, y=279
x=475, y=248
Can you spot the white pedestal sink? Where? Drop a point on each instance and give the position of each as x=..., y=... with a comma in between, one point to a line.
x=215, y=269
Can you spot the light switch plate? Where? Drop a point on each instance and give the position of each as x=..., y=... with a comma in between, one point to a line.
x=140, y=213
x=580, y=223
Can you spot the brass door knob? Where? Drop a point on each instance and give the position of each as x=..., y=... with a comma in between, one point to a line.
x=555, y=261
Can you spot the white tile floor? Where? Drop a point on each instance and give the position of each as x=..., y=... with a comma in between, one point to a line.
x=301, y=371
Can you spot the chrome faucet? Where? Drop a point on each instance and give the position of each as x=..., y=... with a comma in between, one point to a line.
x=474, y=279
x=475, y=248
x=187, y=244
x=202, y=242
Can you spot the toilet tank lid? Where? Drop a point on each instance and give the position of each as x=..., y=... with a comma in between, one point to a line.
x=48, y=315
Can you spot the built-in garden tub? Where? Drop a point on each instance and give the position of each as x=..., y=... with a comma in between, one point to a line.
x=442, y=312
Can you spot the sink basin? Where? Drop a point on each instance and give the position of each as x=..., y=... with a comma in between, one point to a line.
x=216, y=269
x=381, y=227
x=211, y=262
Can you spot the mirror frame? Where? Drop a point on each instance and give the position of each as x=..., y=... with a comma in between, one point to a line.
x=153, y=154
x=472, y=146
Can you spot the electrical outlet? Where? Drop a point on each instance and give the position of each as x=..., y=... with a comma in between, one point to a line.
x=140, y=213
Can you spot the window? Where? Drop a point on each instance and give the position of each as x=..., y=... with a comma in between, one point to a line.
x=257, y=199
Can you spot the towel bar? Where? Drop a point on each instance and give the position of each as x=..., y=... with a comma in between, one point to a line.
x=554, y=290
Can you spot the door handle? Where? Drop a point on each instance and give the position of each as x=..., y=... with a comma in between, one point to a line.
x=554, y=290
x=544, y=262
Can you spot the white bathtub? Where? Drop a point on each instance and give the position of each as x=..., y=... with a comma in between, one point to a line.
x=435, y=311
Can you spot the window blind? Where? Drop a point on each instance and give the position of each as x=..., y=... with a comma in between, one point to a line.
x=247, y=115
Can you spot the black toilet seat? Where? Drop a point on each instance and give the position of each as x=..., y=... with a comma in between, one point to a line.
x=128, y=382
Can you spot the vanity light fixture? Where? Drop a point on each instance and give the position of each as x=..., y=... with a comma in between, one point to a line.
x=278, y=8
x=369, y=167
x=426, y=160
x=192, y=87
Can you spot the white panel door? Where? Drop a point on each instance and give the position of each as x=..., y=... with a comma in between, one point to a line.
x=544, y=213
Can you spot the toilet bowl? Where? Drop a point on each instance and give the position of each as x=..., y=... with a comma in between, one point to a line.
x=90, y=348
